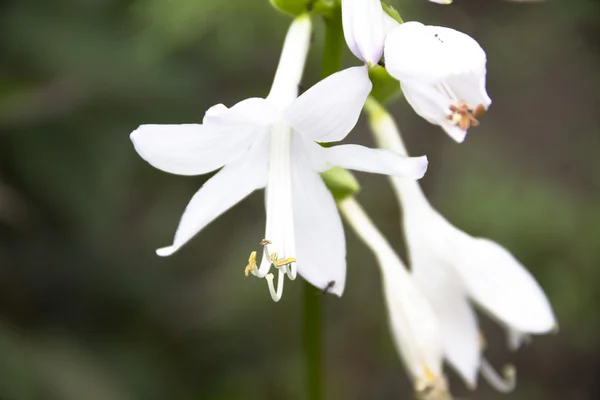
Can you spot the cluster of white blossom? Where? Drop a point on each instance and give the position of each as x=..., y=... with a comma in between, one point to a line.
x=274, y=143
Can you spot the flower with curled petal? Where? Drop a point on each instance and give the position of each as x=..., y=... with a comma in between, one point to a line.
x=453, y=269
x=271, y=143
x=442, y=73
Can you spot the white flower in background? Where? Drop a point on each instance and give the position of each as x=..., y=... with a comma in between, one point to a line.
x=441, y=1
x=453, y=268
x=363, y=23
x=413, y=323
x=271, y=143
x=442, y=74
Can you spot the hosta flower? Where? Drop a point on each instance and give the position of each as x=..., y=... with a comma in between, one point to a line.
x=363, y=23
x=415, y=329
x=270, y=143
x=442, y=74
x=453, y=269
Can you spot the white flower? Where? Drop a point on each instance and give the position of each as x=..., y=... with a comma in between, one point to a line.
x=363, y=22
x=453, y=268
x=271, y=143
x=442, y=74
x=414, y=325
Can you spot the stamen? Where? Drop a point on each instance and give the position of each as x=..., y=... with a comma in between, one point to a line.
x=505, y=383
x=464, y=116
x=275, y=294
x=283, y=261
x=285, y=266
x=251, y=263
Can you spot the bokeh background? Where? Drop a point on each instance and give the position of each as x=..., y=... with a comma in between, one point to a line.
x=89, y=312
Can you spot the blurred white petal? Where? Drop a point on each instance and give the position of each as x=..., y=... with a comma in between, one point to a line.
x=504, y=288
x=457, y=320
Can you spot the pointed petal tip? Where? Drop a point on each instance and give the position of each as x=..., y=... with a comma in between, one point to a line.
x=337, y=290
x=423, y=164
x=457, y=134
x=166, y=251
x=135, y=134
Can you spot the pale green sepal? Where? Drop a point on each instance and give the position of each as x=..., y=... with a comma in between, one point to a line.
x=392, y=12
x=341, y=183
x=385, y=87
x=294, y=7
x=297, y=7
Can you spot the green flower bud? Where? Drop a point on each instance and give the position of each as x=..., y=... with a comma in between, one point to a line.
x=294, y=7
x=341, y=183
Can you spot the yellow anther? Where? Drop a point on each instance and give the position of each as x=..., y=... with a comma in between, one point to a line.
x=273, y=257
x=251, y=263
x=265, y=242
x=283, y=261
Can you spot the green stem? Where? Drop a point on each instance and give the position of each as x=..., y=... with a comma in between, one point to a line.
x=334, y=39
x=313, y=298
x=313, y=343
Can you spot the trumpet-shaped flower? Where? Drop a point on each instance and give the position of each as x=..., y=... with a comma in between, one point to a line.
x=453, y=268
x=414, y=325
x=363, y=23
x=442, y=74
x=270, y=143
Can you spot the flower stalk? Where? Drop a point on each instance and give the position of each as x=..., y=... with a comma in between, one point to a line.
x=312, y=313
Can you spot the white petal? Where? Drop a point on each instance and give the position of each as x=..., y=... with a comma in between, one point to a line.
x=320, y=241
x=378, y=161
x=504, y=288
x=221, y=192
x=252, y=112
x=329, y=110
x=458, y=322
x=463, y=54
x=191, y=149
x=360, y=158
x=389, y=23
x=291, y=63
x=214, y=114
x=411, y=51
x=363, y=22
x=433, y=107
x=414, y=51
x=412, y=320
x=414, y=323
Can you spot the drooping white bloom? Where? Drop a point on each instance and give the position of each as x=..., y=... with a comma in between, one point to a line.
x=363, y=23
x=271, y=143
x=453, y=268
x=414, y=325
x=442, y=74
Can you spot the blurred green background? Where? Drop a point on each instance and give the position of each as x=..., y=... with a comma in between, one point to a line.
x=89, y=312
